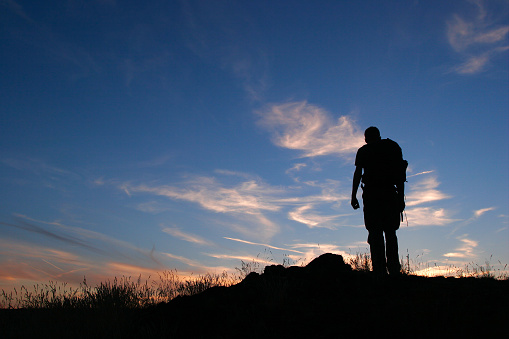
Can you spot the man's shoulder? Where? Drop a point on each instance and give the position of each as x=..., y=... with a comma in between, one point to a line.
x=362, y=148
x=360, y=157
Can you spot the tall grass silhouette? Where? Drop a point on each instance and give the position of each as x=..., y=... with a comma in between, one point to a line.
x=120, y=293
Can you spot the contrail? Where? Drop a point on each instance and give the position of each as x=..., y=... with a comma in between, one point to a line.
x=47, y=262
x=269, y=246
x=425, y=172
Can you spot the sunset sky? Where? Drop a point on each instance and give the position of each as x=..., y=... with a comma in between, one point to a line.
x=141, y=136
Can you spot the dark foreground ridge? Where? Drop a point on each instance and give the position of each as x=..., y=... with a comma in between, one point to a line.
x=325, y=299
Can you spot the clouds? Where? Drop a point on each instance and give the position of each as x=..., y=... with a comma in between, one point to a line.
x=252, y=206
x=246, y=198
x=480, y=212
x=466, y=250
x=425, y=192
x=256, y=208
x=68, y=253
x=477, y=40
x=71, y=249
x=428, y=216
x=192, y=238
x=310, y=129
x=306, y=215
x=27, y=261
x=247, y=201
x=51, y=175
x=70, y=239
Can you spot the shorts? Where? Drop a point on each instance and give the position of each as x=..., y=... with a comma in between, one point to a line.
x=381, y=209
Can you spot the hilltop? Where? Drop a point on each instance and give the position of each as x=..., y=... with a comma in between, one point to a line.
x=325, y=299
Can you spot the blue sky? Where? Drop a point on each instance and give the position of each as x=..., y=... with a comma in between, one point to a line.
x=191, y=135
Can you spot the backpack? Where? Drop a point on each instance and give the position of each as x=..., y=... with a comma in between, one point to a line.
x=402, y=171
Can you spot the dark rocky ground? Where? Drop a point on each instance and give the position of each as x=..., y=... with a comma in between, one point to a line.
x=325, y=299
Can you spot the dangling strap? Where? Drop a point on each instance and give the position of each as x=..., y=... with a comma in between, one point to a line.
x=404, y=213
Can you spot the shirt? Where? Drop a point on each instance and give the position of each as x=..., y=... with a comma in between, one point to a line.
x=382, y=163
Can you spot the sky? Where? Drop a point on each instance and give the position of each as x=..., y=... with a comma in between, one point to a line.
x=143, y=136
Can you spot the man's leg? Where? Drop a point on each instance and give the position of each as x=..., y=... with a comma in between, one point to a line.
x=391, y=242
x=377, y=248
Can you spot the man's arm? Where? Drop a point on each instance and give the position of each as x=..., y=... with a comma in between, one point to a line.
x=357, y=175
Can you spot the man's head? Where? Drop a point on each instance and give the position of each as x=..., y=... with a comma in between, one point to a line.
x=371, y=134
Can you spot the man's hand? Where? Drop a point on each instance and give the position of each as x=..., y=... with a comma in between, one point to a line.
x=355, y=203
x=357, y=176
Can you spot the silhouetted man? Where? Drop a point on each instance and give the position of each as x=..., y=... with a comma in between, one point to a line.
x=380, y=166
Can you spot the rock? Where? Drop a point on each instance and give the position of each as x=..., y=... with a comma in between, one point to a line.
x=274, y=270
x=327, y=263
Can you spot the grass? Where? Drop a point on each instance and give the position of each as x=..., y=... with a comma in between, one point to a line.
x=469, y=270
x=129, y=293
x=123, y=293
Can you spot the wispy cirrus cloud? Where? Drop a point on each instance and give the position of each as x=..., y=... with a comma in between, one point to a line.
x=27, y=261
x=192, y=238
x=466, y=250
x=310, y=129
x=422, y=192
x=128, y=269
x=187, y=261
x=40, y=168
x=477, y=39
x=295, y=169
x=79, y=239
x=247, y=201
x=246, y=198
x=250, y=203
x=306, y=215
x=478, y=213
x=59, y=236
x=428, y=216
x=194, y=265
x=425, y=191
